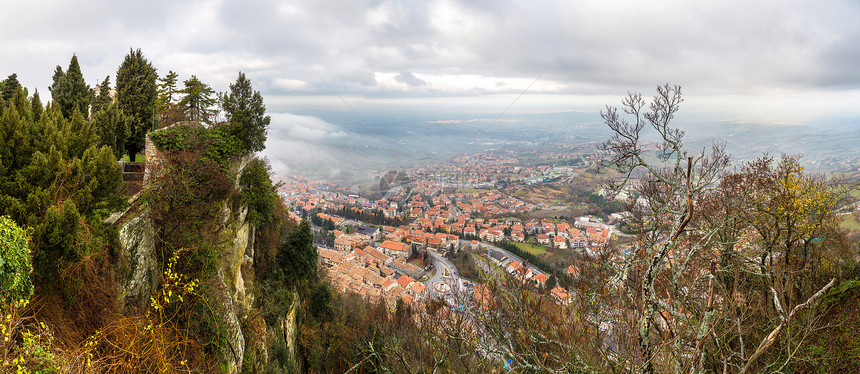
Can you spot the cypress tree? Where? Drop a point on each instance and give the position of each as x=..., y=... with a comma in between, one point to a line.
x=36, y=106
x=103, y=99
x=136, y=94
x=113, y=128
x=70, y=91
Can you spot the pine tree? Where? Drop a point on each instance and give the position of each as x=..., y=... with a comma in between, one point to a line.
x=246, y=113
x=136, y=94
x=166, y=89
x=10, y=87
x=103, y=100
x=198, y=98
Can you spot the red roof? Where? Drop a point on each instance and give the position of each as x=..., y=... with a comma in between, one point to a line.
x=393, y=246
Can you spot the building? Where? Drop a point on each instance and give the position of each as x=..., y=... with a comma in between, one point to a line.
x=394, y=249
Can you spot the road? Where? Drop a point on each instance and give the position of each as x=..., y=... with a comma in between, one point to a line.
x=510, y=255
x=446, y=281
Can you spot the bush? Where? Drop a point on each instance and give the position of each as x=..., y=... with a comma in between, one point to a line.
x=15, y=267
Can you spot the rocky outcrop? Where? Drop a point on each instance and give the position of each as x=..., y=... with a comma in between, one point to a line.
x=139, y=270
x=234, y=297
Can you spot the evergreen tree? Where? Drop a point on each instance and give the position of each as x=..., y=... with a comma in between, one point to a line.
x=136, y=95
x=113, y=126
x=198, y=98
x=70, y=91
x=36, y=106
x=246, y=113
x=57, y=79
x=103, y=100
x=166, y=89
x=10, y=87
x=298, y=256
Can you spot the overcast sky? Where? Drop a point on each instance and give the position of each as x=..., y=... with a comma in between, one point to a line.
x=758, y=59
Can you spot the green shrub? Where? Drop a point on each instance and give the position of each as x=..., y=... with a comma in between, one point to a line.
x=15, y=267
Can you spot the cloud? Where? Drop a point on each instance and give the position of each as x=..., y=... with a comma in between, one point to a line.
x=410, y=79
x=303, y=142
x=369, y=48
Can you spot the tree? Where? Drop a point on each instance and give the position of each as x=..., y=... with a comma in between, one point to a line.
x=10, y=87
x=258, y=193
x=166, y=89
x=197, y=100
x=113, y=127
x=70, y=91
x=714, y=249
x=36, y=106
x=298, y=256
x=136, y=95
x=103, y=99
x=168, y=112
x=670, y=188
x=246, y=114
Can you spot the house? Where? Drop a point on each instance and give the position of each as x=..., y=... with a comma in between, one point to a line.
x=543, y=239
x=347, y=242
x=513, y=266
x=405, y=281
x=498, y=258
x=540, y=279
x=560, y=295
x=518, y=236
x=572, y=270
x=484, y=297
x=372, y=233
x=394, y=249
x=560, y=242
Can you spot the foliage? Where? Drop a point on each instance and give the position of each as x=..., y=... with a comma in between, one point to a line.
x=136, y=95
x=186, y=213
x=15, y=267
x=10, y=87
x=214, y=144
x=732, y=263
x=157, y=341
x=103, y=100
x=56, y=180
x=113, y=128
x=298, y=255
x=257, y=192
x=197, y=100
x=246, y=114
x=166, y=89
x=70, y=91
x=23, y=348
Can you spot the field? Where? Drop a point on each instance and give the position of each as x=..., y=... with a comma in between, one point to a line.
x=530, y=248
x=850, y=222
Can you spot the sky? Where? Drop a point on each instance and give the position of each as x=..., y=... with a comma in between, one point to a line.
x=783, y=61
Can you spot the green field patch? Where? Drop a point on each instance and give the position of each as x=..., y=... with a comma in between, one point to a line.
x=536, y=250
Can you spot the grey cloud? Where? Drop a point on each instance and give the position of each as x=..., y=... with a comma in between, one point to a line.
x=728, y=47
x=409, y=79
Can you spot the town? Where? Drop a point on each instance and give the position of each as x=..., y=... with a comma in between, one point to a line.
x=393, y=242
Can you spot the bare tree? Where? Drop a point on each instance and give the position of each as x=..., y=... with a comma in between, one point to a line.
x=718, y=252
x=667, y=279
